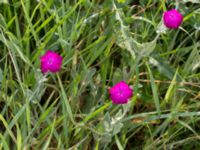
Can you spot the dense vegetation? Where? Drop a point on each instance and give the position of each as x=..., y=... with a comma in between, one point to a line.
x=102, y=42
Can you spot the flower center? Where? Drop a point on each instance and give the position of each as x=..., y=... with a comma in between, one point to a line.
x=120, y=91
x=50, y=61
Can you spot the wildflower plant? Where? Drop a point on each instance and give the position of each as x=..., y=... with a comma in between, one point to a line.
x=172, y=18
x=120, y=93
x=50, y=62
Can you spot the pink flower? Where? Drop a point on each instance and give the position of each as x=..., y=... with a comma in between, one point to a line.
x=120, y=93
x=50, y=61
x=172, y=19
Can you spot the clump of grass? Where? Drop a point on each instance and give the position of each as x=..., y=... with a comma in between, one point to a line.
x=102, y=42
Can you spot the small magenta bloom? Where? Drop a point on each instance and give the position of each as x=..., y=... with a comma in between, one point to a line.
x=50, y=62
x=120, y=93
x=172, y=19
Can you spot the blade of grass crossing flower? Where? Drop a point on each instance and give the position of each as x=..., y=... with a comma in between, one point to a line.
x=154, y=89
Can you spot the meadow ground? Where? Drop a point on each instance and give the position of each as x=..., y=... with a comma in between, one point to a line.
x=101, y=42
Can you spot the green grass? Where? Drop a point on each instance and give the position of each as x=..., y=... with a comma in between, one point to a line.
x=102, y=42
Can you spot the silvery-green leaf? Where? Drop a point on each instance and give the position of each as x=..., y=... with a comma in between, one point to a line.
x=145, y=49
x=106, y=138
x=161, y=29
x=4, y=1
x=117, y=128
x=119, y=115
x=192, y=1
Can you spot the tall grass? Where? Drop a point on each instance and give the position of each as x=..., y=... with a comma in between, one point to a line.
x=102, y=42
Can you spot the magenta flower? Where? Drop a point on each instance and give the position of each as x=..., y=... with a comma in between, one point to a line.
x=172, y=19
x=120, y=93
x=50, y=62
